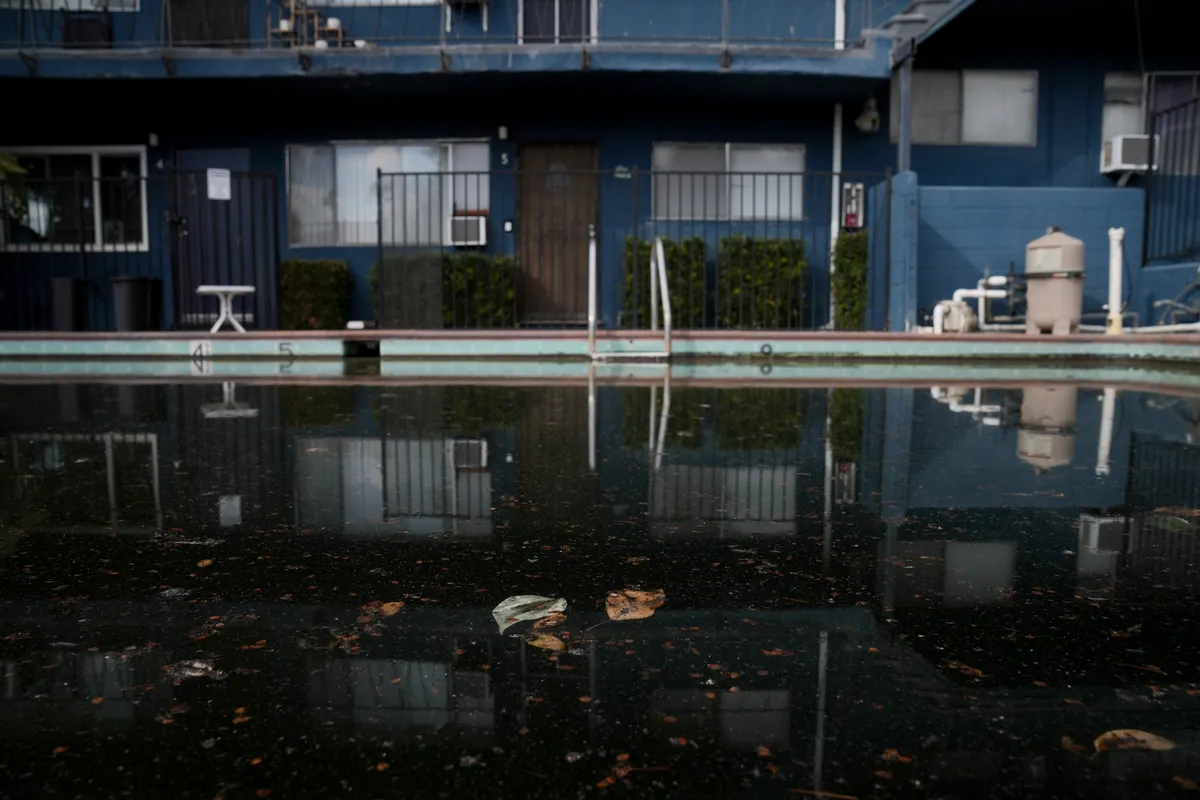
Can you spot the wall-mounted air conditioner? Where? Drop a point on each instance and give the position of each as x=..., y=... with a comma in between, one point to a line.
x=1129, y=153
x=468, y=231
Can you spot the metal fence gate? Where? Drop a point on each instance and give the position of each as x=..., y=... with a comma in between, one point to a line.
x=65, y=242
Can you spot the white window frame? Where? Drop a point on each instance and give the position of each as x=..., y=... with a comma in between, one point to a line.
x=98, y=245
x=1143, y=89
x=593, y=23
x=447, y=188
x=961, y=140
x=728, y=188
x=115, y=6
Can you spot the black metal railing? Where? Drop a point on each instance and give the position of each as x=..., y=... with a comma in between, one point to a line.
x=1173, y=185
x=510, y=249
x=77, y=225
x=720, y=27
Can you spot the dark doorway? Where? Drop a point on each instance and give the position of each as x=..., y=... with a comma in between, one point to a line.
x=231, y=242
x=556, y=201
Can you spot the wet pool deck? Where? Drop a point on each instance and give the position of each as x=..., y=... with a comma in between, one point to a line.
x=624, y=345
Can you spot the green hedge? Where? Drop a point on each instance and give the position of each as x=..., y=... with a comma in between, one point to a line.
x=314, y=294
x=480, y=291
x=760, y=419
x=850, y=259
x=846, y=424
x=317, y=406
x=433, y=289
x=760, y=283
x=472, y=411
x=686, y=279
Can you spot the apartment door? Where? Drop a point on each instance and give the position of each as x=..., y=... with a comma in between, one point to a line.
x=556, y=206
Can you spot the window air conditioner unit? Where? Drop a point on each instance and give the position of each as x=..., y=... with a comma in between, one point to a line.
x=1130, y=153
x=1102, y=534
x=470, y=454
x=468, y=231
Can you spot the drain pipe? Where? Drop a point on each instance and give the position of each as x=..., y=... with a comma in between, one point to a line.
x=1116, y=239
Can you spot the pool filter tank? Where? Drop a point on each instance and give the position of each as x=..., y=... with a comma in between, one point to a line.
x=1046, y=435
x=1053, y=284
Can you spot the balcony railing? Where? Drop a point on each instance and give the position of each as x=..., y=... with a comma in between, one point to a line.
x=722, y=26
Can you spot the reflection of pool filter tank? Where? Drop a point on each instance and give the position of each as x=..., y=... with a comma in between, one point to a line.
x=1046, y=436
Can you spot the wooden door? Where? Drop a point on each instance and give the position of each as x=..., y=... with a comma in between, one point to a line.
x=556, y=205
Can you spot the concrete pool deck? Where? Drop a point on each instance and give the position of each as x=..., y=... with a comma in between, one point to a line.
x=291, y=346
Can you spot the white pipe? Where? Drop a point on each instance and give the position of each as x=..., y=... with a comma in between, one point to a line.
x=1116, y=237
x=839, y=26
x=592, y=292
x=1106, y=430
x=835, y=200
x=653, y=291
x=592, y=416
x=939, y=318
x=664, y=293
x=971, y=294
x=1180, y=328
x=663, y=422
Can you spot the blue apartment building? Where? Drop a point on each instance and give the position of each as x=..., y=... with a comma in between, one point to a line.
x=209, y=141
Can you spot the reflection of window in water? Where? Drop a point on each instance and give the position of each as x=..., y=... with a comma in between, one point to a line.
x=424, y=486
x=744, y=720
x=106, y=481
x=63, y=685
x=395, y=693
x=731, y=501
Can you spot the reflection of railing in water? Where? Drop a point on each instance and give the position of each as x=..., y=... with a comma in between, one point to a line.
x=422, y=485
x=125, y=462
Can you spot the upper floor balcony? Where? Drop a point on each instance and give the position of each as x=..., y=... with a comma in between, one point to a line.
x=263, y=38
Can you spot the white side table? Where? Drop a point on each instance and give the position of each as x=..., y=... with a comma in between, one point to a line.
x=225, y=295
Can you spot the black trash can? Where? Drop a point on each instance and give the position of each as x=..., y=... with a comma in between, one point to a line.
x=137, y=304
x=70, y=304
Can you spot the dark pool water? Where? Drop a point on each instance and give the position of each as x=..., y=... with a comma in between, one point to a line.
x=256, y=590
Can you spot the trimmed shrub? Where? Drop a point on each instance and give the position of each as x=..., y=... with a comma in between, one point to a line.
x=315, y=294
x=760, y=283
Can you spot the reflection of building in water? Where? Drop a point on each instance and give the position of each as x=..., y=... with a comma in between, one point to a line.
x=393, y=696
x=68, y=687
x=421, y=486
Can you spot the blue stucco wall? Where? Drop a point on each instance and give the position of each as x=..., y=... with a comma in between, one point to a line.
x=905, y=256
x=965, y=231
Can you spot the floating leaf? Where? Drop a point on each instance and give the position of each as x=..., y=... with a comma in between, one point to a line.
x=633, y=604
x=526, y=607
x=391, y=609
x=1069, y=744
x=1129, y=739
x=547, y=642
x=550, y=621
